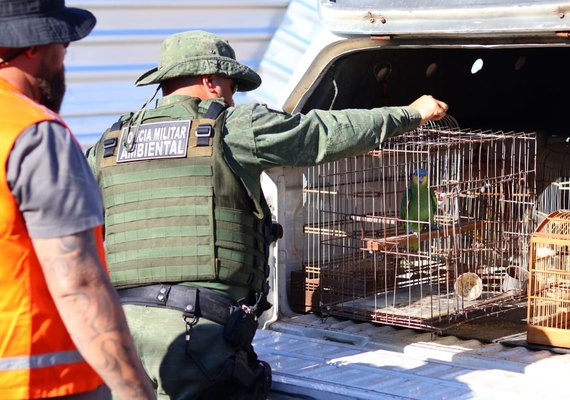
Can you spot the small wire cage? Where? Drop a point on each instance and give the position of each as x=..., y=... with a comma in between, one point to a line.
x=553, y=176
x=462, y=237
x=549, y=282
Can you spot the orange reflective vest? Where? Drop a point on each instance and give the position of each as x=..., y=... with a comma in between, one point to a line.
x=37, y=357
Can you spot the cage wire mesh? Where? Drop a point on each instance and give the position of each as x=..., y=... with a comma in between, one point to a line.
x=434, y=223
x=553, y=176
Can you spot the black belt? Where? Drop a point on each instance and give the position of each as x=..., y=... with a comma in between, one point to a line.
x=199, y=302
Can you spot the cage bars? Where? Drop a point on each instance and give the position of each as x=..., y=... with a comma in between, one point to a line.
x=372, y=262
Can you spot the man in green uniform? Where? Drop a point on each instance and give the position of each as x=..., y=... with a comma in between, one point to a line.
x=187, y=226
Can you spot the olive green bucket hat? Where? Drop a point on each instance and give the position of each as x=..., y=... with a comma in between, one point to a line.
x=199, y=53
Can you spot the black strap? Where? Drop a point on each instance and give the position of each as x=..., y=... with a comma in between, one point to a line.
x=117, y=124
x=199, y=302
x=109, y=147
x=214, y=110
x=205, y=131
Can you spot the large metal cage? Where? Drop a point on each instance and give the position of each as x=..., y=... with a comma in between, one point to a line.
x=467, y=253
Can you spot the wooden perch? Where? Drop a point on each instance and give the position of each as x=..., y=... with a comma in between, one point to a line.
x=403, y=240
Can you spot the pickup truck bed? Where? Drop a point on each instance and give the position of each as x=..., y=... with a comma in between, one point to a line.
x=335, y=359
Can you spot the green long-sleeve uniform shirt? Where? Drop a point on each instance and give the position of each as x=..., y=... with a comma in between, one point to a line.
x=259, y=138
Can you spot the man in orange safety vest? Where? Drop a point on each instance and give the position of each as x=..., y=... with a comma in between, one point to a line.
x=63, y=333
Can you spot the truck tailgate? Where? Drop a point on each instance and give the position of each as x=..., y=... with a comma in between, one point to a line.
x=309, y=363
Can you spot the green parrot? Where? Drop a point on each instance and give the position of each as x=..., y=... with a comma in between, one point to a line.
x=418, y=205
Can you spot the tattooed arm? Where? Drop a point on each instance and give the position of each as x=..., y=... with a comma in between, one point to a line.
x=91, y=311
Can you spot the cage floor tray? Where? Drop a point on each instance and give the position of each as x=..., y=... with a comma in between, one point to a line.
x=414, y=301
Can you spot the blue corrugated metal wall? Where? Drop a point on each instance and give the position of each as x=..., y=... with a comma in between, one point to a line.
x=101, y=68
x=290, y=41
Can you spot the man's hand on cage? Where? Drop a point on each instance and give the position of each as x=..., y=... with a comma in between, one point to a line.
x=430, y=109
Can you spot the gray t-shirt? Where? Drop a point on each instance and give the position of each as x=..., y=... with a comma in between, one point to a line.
x=52, y=183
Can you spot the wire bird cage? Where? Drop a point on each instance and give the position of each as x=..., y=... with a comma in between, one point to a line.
x=367, y=260
x=549, y=282
x=553, y=176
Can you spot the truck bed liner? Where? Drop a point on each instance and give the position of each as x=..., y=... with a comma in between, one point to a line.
x=338, y=359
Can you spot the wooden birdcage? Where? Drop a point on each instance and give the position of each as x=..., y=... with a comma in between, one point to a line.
x=549, y=282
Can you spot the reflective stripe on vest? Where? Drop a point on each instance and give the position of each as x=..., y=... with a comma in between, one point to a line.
x=40, y=361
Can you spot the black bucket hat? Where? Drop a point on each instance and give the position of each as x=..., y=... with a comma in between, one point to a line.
x=25, y=23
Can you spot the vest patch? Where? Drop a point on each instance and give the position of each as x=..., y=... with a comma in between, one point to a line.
x=155, y=140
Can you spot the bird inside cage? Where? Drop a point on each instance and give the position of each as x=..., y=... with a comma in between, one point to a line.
x=418, y=205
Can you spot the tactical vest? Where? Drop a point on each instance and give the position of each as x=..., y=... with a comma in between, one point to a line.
x=175, y=210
